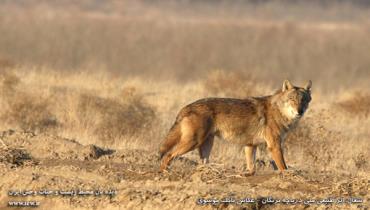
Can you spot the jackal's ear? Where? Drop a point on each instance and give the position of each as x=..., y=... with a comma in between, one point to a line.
x=287, y=85
x=308, y=85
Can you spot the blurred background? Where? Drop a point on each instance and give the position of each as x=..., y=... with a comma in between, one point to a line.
x=324, y=40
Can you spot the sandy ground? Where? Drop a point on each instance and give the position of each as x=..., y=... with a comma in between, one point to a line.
x=128, y=179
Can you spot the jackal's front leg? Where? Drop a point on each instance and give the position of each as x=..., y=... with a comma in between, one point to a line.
x=274, y=146
x=250, y=155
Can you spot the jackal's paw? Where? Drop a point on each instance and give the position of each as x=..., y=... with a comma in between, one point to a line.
x=163, y=171
x=248, y=173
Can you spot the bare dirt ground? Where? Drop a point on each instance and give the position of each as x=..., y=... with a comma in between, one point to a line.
x=31, y=162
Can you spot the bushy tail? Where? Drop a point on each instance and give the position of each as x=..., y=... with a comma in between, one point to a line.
x=172, y=138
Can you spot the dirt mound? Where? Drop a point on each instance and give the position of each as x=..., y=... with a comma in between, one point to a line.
x=43, y=146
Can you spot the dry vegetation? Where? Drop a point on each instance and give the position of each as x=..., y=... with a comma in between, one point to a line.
x=357, y=104
x=112, y=78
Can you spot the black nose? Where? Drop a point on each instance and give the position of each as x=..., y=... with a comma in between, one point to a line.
x=300, y=111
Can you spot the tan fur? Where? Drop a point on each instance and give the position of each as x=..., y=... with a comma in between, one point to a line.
x=247, y=122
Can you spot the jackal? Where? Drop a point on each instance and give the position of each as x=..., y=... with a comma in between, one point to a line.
x=247, y=122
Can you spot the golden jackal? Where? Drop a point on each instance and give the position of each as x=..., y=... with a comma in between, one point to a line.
x=248, y=122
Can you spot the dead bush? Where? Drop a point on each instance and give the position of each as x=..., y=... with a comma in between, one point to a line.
x=110, y=119
x=358, y=104
x=29, y=113
x=8, y=81
x=23, y=109
x=360, y=161
x=230, y=84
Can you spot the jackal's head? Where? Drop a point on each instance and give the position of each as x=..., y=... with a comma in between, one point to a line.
x=293, y=101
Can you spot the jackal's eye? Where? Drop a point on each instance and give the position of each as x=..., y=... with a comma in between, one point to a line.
x=306, y=98
x=291, y=97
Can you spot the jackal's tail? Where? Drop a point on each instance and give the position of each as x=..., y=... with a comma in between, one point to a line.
x=172, y=138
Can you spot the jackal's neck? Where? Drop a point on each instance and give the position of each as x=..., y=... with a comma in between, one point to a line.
x=277, y=116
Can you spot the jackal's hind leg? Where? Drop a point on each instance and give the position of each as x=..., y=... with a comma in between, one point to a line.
x=250, y=155
x=180, y=149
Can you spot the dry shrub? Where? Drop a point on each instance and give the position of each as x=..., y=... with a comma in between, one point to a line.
x=110, y=119
x=24, y=109
x=361, y=161
x=358, y=104
x=314, y=145
x=30, y=113
x=29, y=107
x=8, y=81
x=230, y=84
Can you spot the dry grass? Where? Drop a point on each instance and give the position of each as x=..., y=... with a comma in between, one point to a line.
x=357, y=104
x=231, y=84
x=112, y=119
x=27, y=105
x=136, y=113
x=24, y=109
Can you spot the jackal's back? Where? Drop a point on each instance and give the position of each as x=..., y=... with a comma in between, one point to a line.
x=235, y=120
